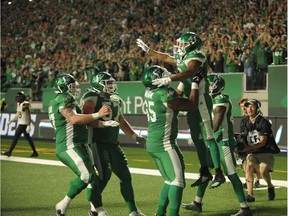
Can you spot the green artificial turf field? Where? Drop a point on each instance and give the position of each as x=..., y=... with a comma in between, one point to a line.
x=33, y=189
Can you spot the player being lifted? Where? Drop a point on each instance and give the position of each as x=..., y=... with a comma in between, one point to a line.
x=191, y=61
x=224, y=135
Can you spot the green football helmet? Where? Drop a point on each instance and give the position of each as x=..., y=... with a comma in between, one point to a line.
x=152, y=73
x=66, y=83
x=216, y=83
x=187, y=42
x=103, y=82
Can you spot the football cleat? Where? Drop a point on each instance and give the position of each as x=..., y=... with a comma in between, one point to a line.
x=8, y=154
x=102, y=213
x=250, y=198
x=136, y=213
x=34, y=154
x=195, y=206
x=92, y=213
x=243, y=212
x=58, y=213
x=218, y=180
x=202, y=180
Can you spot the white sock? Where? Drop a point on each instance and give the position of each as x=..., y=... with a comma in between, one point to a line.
x=63, y=204
x=198, y=199
x=243, y=205
x=92, y=207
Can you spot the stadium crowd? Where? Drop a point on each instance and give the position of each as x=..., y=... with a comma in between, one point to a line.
x=41, y=39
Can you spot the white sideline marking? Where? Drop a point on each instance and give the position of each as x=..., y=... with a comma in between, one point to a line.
x=277, y=183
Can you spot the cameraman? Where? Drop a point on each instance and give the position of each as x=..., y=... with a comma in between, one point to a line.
x=244, y=155
x=260, y=147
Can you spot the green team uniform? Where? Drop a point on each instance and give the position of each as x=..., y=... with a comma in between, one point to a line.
x=226, y=144
x=162, y=146
x=105, y=145
x=70, y=146
x=200, y=121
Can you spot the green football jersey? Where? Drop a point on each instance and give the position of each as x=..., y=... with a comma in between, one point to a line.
x=225, y=131
x=162, y=121
x=182, y=65
x=107, y=135
x=67, y=135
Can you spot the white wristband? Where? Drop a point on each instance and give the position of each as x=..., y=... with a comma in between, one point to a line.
x=194, y=86
x=95, y=116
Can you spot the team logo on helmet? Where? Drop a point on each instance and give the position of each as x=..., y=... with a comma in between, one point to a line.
x=216, y=83
x=152, y=73
x=103, y=82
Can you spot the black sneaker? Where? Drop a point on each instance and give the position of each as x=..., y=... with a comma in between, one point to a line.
x=257, y=184
x=250, y=198
x=92, y=213
x=218, y=180
x=8, y=154
x=243, y=212
x=271, y=193
x=34, y=154
x=202, y=180
x=195, y=206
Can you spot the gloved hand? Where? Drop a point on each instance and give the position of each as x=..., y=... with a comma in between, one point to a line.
x=9, y=122
x=162, y=81
x=142, y=45
x=201, y=73
x=28, y=129
x=110, y=123
x=139, y=139
x=196, y=79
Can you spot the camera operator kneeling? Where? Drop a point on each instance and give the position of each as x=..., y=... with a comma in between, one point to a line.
x=260, y=147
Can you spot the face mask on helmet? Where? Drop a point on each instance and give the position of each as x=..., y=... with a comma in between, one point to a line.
x=216, y=84
x=188, y=42
x=20, y=97
x=152, y=73
x=104, y=82
x=67, y=84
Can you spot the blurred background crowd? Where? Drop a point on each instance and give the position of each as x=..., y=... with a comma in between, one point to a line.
x=41, y=39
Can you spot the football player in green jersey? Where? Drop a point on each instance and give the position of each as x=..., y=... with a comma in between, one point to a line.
x=104, y=141
x=224, y=135
x=71, y=139
x=191, y=61
x=162, y=105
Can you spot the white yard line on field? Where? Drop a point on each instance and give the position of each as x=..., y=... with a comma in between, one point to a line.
x=152, y=172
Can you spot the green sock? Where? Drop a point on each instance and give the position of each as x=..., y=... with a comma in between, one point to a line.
x=163, y=199
x=237, y=186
